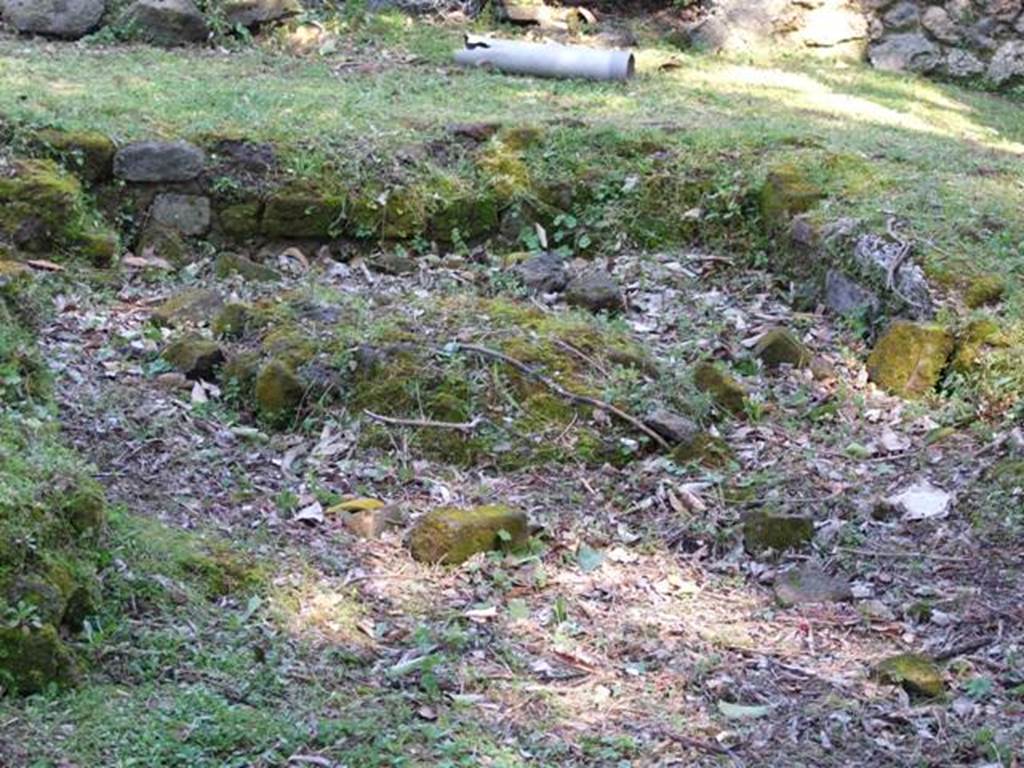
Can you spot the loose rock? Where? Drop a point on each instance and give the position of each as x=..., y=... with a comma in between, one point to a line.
x=727, y=393
x=228, y=264
x=166, y=22
x=909, y=358
x=780, y=347
x=543, y=273
x=595, y=290
x=196, y=306
x=451, y=536
x=780, y=533
x=672, y=426
x=61, y=18
x=252, y=13
x=279, y=392
x=918, y=675
x=810, y=584
x=196, y=357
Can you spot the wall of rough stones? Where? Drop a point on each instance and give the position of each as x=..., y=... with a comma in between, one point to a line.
x=979, y=40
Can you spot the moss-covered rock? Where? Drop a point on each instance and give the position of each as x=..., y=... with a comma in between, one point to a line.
x=985, y=290
x=296, y=213
x=240, y=221
x=195, y=306
x=228, y=264
x=469, y=216
x=241, y=370
x=763, y=531
x=974, y=340
x=233, y=321
x=165, y=242
x=85, y=507
x=392, y=214
x=290, y=344
x=451, y=536
x=918, y=675
x=40, y=206
x=788, y=190
x=87, y=154
x=99, y=247
x=909, y=358
x=725, y=391
x=278, y=392
x=194, y=356
x=32, y=659
x=779, y=346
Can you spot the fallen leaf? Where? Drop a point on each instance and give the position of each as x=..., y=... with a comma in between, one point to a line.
x=923, y=501
x=43, y=264
x=312, y=514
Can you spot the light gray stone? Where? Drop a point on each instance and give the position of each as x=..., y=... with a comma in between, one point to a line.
x=674, y=427
x=962, y=64
x=188, y=214
x=60, y=18
x=810, y=584
x=166, y=22
x=902, y=16
x=595, y=290
x=1004, y=10
x=937, y=21
x=848, y=298
x=910, y=52
x=876, y=255
x=1008, y=63
x=159, y=161
x=543, y=273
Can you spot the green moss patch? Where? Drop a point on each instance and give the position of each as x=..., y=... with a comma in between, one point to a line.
x=918, y=675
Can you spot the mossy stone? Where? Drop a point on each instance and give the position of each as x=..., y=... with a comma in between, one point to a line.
x=971, y=344
x=763, y=531
x=909, y=358
x=85, y=506
x=195, y=306
x=278, y=392
x=787, y=191
x=393, y=214
x=33, y=659
x=194, y=356
x=780, y=346
x=299, y=213
x=241, y=369
x=290, y=344
x=228, y=264
x=232, y=322
x=240, y=221
x=985, y=290
x=40, y=205
x=165, y=242
x=471, y=216
x=87, y=154
x=725, y=391
x=47, y=600
x=99, y=247
x=919, y=675
x=451, y=536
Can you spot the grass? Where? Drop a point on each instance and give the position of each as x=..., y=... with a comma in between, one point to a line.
x=700, y=134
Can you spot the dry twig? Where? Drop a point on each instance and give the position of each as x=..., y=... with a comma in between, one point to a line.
x=467, y=426
x=558, y=389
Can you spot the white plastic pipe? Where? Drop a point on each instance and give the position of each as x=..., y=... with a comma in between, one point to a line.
x=547, y=59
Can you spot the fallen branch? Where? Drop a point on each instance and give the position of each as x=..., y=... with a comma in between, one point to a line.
x=467, y=426
x=965, y=648
x=558, y=389
x=689, y=741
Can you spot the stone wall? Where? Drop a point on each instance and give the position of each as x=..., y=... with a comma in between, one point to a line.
x=980, y=40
